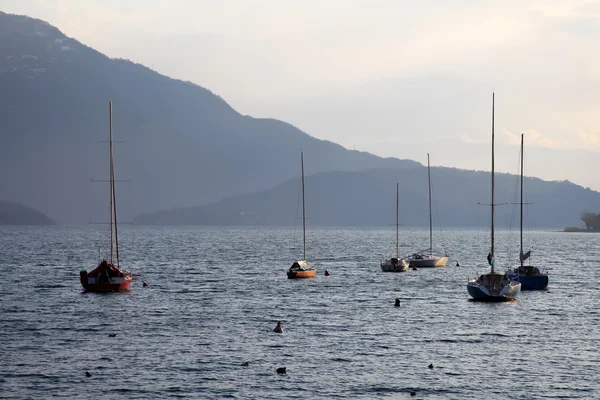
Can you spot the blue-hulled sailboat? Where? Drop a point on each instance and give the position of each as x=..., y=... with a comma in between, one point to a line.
x=493, y=286
x=531, y=277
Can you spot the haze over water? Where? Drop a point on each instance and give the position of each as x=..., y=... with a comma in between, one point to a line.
x=216, y=294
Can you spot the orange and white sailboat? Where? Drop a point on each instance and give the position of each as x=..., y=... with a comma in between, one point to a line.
x=301, y=269
x=108, y=275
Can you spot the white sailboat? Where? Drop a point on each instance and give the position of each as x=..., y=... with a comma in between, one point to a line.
x=426, y=258
x=493, y=286
x=395, y=263
x=300, y=268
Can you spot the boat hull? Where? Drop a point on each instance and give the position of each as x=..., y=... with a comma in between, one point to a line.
x=531, y=277
x=428, y=262
x=398, y=266
x=309, y=273
x=113, y=284
x=479, y=292
x=538, y=282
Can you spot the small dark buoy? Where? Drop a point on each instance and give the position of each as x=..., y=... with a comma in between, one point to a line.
x=430, y=366
x=413, y=393
x=397, y=303
x=145, y=284
x=327, y=273
x=457, y=264
x=112, y=334
x=278, y=328
x=246, y=364
x=414, y=268
x=281, y=370
x=87, y=374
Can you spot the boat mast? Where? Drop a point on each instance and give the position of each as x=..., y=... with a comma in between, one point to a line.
x=397, y=253
x=303, y=209
x=110, y=177
x=521, y=233
x=112, y=184
x=493, y=205
x=430, y=219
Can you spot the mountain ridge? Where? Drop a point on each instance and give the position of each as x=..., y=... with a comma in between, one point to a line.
x=184, y=145
x=367, y=198
x=19, y=214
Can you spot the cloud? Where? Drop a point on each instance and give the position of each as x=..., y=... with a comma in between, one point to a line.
x=533, y=138
x=591, y=9
x=577, y=18
x=589, y=138
x=508, y=137
x=468, y=139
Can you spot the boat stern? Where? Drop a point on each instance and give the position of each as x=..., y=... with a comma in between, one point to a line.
x=302, y=274
x=83, y=278
x=539, y=282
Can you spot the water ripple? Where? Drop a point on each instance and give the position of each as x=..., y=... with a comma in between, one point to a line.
x=216, y=294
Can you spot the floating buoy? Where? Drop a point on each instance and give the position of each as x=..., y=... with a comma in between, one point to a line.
x=281, y=370
x=413, y=393
x=414, y=268
x=327, y=273
x=430, y=366
x=112, y=334
x=457, y=264
x=145, y=284
x=278, y=328
x=245, y=364
x=397, y=303
x=87, y=374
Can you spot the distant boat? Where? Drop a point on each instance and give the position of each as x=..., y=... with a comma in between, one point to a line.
x=531, y=277
x=301, y=269
x=395, y=263
x=426, y=258
x=493, y=286
x=108, y=276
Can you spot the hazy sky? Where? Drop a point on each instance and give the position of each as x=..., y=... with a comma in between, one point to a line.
x=395, y=78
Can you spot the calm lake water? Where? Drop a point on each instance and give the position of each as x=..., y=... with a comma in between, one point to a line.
x=216, y=294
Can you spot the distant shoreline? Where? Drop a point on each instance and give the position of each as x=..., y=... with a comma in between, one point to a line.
x=570, y=229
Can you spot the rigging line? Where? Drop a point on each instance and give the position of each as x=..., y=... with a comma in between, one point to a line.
x=517, y=196
x=295, y=223
x=478, y=235
x=511, y=216
x=437, y=213
x=526, y=199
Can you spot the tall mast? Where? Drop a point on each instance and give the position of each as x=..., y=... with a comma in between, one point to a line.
x=522, y=162
x=397, y=253
x=493, y=205
x=430, y=219
x=110, y=178
x=303, y=208
x=112, y=183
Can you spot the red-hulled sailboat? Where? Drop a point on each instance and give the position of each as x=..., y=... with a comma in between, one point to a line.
x=108, y=275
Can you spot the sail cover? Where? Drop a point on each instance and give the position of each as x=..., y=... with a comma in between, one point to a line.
x=106, y=269
x=525, y=256
x=301, y=265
